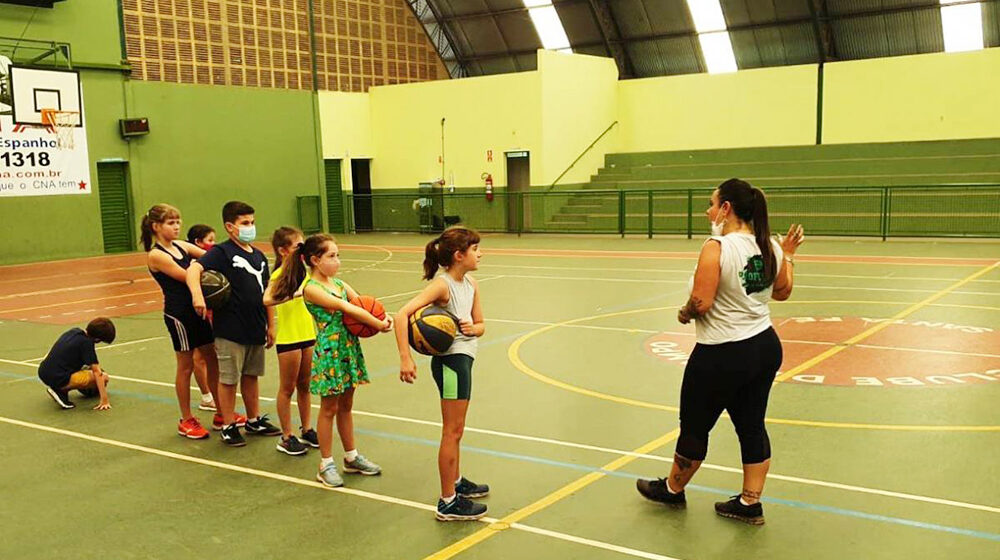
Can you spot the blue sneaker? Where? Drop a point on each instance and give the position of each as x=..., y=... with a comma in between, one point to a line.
x=468, y=489
x=329, y=476
x=362, y=465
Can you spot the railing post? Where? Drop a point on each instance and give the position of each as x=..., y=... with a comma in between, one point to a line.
x=690, y=228
x=621, y=213
x=888, y=213
x=649, y=217
x=520, y=212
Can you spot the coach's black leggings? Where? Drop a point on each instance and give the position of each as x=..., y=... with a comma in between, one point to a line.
x=735, y=377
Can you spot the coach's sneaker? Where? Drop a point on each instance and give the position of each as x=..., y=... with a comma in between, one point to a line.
x=61, y=398
x=291, y=446
x=232, y=437
x=218, y=423
x=309, y=437
x=468, y=489
x=191, y=429
x=361, y=465
x=329, y=476
x=262, y=427
x=657, y=491
x=459, y=509
x=734, y=509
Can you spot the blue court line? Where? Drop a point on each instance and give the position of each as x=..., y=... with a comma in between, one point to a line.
x=620, y=474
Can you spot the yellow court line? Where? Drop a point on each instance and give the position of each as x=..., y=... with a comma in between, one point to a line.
x=495, y=529
x=513, y=354
x=880, y=326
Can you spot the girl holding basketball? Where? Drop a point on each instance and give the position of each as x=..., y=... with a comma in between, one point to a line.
x=338, y=364
x=457, y=251
x=167, y=259
x=204, y=237
x=295, y=340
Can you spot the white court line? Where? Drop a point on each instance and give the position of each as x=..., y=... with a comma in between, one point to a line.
x=314, y=484
x=73, y=288
x=612, y=451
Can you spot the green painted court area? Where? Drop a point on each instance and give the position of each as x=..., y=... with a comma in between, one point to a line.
x=884, y=427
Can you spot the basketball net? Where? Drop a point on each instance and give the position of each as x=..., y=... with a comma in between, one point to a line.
x=63, y=123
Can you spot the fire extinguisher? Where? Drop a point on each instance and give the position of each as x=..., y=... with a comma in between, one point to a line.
x=489, y=186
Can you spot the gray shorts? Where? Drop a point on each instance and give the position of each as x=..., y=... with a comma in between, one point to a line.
x=236, y=360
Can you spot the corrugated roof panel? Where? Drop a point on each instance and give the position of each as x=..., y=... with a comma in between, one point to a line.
x=681, y=55
x=518, y=31
x=483, y=35
x=991, y=24
x=893, y=34
x=774, y=46
x=578, y=21
x=668, y=16
x=631, y=17
x=646, y=59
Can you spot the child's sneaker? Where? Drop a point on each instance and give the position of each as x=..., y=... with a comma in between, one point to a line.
x=309, y=437
x=460, y=509
x=291, y=446
x=468, y=489
x=61, y=398
x=191, y=429
x=218, y=423
x=362, y=465
x=207, y=403
x=329, y=476
x=90, y=393
x=262, y=427
x=657, y=491
x=734, y=509
x=232, y=437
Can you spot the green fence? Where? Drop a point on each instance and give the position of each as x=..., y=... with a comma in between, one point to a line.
x=897, y=211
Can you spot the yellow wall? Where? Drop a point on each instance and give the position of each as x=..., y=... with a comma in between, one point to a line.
x=346, y=125
x=579, y=101
x=764, y=107
x=939, y=96
x=498, y=113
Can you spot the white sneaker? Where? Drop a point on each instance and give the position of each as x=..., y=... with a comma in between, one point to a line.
x=207, y=404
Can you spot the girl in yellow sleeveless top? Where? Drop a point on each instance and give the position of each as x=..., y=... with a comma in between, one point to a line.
x=295, y=340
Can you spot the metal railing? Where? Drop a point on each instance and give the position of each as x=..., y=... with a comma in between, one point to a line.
x=892, y=211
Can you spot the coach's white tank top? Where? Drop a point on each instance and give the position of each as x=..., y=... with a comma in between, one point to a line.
x=460, y=297
x=740, y=309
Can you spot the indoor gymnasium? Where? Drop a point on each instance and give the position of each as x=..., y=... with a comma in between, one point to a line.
x=492, y=279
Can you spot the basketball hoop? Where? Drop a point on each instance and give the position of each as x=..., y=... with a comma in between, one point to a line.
x=63, y=123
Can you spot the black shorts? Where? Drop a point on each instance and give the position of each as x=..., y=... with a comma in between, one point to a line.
x=188, y=331
x=282, y=348
x=453, y=375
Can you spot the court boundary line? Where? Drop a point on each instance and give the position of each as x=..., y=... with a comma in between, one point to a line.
x=602, y=449
x=314, y=484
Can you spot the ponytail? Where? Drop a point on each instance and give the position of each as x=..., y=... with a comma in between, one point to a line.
x=282, y=239
x=441, y=251
x=762, y=232
x=293, y=270
x=431, y=263
x=158, y=214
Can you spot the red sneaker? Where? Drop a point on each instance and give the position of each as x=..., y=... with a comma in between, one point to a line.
x=191, y=429
x=218, y=424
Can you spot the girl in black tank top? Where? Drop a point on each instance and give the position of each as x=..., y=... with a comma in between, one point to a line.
x=168, y=259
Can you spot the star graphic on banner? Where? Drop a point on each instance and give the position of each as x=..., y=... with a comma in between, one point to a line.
x=83, y=186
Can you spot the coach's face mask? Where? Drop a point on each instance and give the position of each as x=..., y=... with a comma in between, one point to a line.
x=247, y=233
x=717, y=226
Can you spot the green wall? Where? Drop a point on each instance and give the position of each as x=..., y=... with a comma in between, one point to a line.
x=207, y=144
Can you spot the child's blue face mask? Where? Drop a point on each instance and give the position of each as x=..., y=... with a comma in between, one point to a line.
x=247, y=233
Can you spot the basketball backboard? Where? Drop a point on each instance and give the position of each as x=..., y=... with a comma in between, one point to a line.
x=35, y=89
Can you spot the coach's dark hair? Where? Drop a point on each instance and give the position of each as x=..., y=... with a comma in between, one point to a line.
x=441, y=251
x=294, y=271
x=198, y=232
x=234, y=209
x=158, y=214
x=101, y=329
x=281, y=239
x=750, y=205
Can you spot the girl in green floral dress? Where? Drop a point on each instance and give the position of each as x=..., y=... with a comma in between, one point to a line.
x=338, y=366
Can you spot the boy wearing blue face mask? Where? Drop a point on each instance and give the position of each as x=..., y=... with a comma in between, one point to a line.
x=243, y=327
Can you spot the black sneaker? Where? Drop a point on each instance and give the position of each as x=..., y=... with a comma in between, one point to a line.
x=656, y=490
x=61, y=398
x=734, y=509
x=262, y=427
x=468, y=489
x=309, y=437
x=90, y=393
x=232, y=437
x=291, y=446
x=460, y=509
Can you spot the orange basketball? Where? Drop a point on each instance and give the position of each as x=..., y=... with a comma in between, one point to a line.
x=371, y=305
